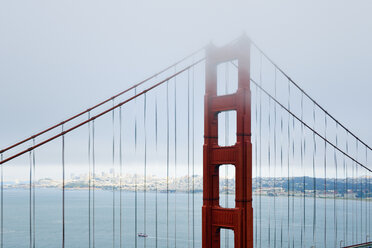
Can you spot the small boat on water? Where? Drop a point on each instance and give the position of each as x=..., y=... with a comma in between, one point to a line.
x=142, y=235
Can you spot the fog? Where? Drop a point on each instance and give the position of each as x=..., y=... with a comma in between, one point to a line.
x=60, y=57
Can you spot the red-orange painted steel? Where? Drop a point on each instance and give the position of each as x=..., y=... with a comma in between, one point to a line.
x=240, y=218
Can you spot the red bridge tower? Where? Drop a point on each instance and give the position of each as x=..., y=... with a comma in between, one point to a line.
x=240, y=218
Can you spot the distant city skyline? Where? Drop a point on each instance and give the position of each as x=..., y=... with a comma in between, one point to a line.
x=280, y=186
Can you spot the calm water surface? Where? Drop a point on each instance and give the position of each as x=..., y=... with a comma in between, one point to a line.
x=352, y=221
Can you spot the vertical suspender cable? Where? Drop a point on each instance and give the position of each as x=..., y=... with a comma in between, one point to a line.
x=135, y=121
x=325, y=181
x=121, y=176
x=193, y=155
x=304, y=158
x=156, y=122
x=33, y=198
x=156, y=183
x=357, y=210
x=2, y=204
x=63, y=190
x=89, y=185
x=361, y=193
x=281, y=174
x=303, y=220
x=288, y=174
x=167, y=163
x=361, y=203
x=275, y=163
x=365, y=206
x=30, y=200
x=356, y=183
x=145, y=170
x=135, y=175
x=347, y=194
x=365, y=195
x=293, y=159
x=260, y=161
x=358, y=179
x=369, y=196
x=334, y=192
x=354, y=206
x=356, y=202
x=188, y=158
x=269, y=162
x=175, y=160
x=113, y=175
x=344, y=202
x=303, y=151
x=314, y=183
x=93, y=184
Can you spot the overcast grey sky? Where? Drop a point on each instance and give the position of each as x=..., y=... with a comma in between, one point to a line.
x=60, y=57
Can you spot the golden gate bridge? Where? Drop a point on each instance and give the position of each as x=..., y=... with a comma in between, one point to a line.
x=278, y=169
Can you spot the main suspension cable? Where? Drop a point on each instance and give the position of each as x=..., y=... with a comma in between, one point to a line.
x=103, y=102
x=310, y=128
x=100, y=114
x=307, y=95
